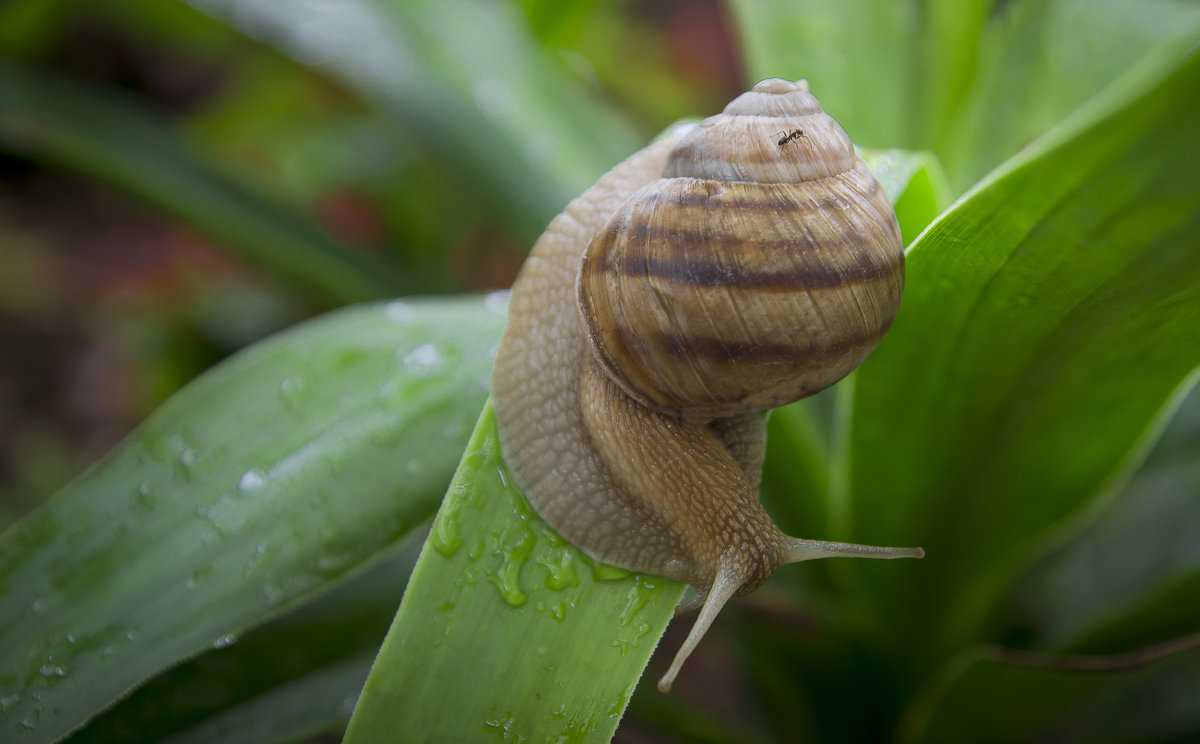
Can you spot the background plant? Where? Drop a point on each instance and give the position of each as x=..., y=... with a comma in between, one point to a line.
x=229, y=571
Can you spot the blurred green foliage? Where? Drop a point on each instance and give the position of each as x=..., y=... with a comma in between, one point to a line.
x=379, y=157
x=180, y=180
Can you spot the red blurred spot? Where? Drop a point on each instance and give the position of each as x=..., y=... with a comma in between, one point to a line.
x=353, y=218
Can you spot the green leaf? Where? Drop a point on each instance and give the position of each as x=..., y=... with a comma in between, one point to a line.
x=115, y=138
x=1047, y=320
x=300, y=709
x=993, y=694
x=890, y=72
x=796, y=468
x=555, y=21
x=260, y=484
x=498, y=111
x=505, y=629
x=798, y=445
x=1039, y=60
x=525, y=93
x=915, y=184
x=972, y=80
x=1131, y=572
x=328, y=643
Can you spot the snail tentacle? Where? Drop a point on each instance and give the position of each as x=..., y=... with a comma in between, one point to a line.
x=732, y=575
x=797, y=550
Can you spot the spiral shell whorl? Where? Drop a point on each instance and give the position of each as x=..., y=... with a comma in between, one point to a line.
x=742, y=142
x=753, y=273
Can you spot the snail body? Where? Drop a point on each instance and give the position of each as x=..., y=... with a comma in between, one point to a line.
x=706, y=279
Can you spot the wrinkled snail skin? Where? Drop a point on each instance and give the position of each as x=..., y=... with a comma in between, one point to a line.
x=710, y=277
x=536, y=384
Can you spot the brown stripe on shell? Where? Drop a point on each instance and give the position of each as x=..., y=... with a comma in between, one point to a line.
x=706, y=297
x=802, y=356
x=712, y=194
x=746, y=376
x=722, y=254
x=693, y=203
x=811, y=352
x=804, y=275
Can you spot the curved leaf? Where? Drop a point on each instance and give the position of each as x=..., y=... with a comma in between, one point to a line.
x=263, y=482
x=328, y=643
x=916, y=185
x=863, y=57
x=993, y=694
x=972, y=80
x=1047, y=320
x=1039, y=60
x=1131, y=572
x=506, y=630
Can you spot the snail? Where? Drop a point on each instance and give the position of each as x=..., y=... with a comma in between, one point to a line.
x=708, y=278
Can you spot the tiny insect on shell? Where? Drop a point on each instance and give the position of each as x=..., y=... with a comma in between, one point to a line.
x=706, y=279
x=786, y=138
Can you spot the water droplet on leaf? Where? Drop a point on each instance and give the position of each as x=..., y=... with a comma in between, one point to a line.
x=423, y=360
x=291, y=390
x=497, y=302
x=399, y=311
x=252, y=480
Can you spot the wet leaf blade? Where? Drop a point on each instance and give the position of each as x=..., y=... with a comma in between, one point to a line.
x=261, y=483
x=505, y=630
x=249, y=687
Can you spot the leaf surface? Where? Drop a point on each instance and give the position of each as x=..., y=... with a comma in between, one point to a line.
x=506, y=630
x=1149, y=695
x=972, y=80
x=259, y=485
x=1055, y=310
x=1127, y=573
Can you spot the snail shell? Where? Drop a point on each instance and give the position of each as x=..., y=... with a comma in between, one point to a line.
x=752, y=274
x=704, y=280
